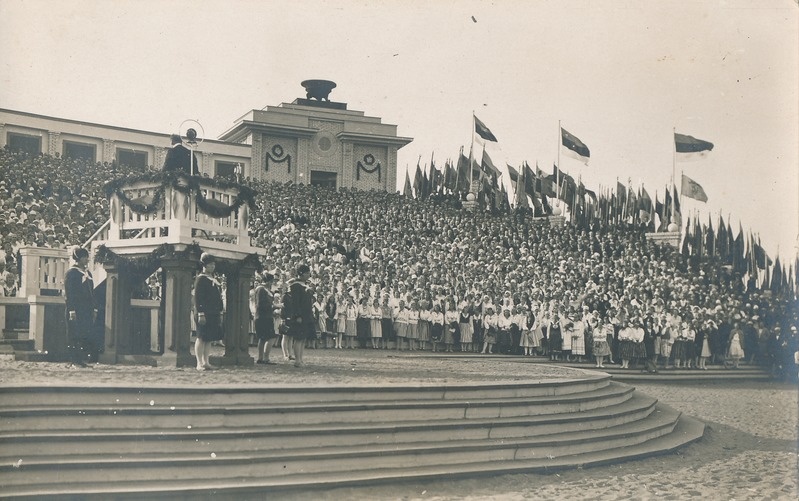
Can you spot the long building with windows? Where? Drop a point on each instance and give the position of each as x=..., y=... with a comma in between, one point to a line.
x=310, y=140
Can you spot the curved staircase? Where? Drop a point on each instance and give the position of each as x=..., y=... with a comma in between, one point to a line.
x=113, y=441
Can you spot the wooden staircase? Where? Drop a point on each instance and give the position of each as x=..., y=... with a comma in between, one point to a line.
x=181, y=442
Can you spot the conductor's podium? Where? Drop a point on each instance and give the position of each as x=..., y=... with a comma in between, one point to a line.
x=167, y=221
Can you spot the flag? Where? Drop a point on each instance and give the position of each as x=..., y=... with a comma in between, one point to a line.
x=425, y=185
x=545, y=185
x=776, y=277
x=520, y=194
x=739, y=251
x=481, y=130
x=761, y=257
x=692, y=189
x=689, y=148
x=450, y=176
x=464, y=175
x=676, y=212
x=685, y=240
x=418, y=181
x=710, y=238
x=407, y=189
x=574, y=147
x=513, y=174
x=488, y=166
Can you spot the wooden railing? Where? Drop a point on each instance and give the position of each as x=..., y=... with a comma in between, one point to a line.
x=43, y=271
x=177, y=218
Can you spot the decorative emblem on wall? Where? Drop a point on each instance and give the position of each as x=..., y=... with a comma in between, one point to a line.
x=275, y=157
x=369, y=165
x=324, y=143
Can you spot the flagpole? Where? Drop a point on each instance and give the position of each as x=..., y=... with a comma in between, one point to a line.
x=458, y=171
x=681, y=175
x=674, y=170
x=557, y=173
x=471, y=160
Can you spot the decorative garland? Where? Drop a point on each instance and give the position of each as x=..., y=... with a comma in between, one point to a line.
x=186, y=185
x=277, y=151
x=139, y=207
x=368, y=160
x=232, y=268
x=144, y=266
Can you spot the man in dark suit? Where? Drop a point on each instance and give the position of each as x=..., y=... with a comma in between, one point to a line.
x=81, y=309
x=179, y=158
x=300, y=317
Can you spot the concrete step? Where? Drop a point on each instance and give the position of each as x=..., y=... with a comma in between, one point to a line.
x=19, y=344
x=28, y=444
x=18, y=333
x=201, y=416
x=32, y=356
x=686, y=430
x=342, y=459
x=216, y=395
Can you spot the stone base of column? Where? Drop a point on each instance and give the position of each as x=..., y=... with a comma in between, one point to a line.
x=137, y=360
x=231, y=360
x=172, y=359
x=108, y=358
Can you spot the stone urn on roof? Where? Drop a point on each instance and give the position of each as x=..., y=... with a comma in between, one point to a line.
x=318, y=89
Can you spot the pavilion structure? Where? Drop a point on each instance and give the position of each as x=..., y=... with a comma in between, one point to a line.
x=166, y=221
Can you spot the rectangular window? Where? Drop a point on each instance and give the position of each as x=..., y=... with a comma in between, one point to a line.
x=225, y=169
x=25, y=143
x=323, y=178
x=132, y=158
x=82, y=151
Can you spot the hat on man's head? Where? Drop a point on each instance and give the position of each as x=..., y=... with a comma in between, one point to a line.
x=302, y=269
x=206, y=258
x=79, y=252
x=267, y=277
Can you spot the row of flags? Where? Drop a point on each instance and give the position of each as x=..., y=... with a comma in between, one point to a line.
x=742, y=254
x=459, y=178
x=687, y=148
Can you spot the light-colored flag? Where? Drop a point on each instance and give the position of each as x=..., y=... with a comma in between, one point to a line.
x=692, y=189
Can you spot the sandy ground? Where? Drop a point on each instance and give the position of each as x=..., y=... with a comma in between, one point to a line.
x=749, y=450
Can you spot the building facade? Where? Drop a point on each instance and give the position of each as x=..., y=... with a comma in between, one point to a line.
x=307, y=141
x=40, y=134
x=316, y=141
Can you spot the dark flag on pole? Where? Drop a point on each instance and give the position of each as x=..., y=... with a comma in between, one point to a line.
x=418, y=182
x=574, y=147
x=689, y=148
x=481, y=130
x=407, y=189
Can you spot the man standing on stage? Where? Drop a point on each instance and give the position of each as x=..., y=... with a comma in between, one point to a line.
x=81, y=308
x=179, y=158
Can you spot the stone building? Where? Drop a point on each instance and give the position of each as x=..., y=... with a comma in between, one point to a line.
x=317, y=141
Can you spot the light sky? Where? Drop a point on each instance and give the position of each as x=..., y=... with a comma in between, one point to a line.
x=620, y=75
